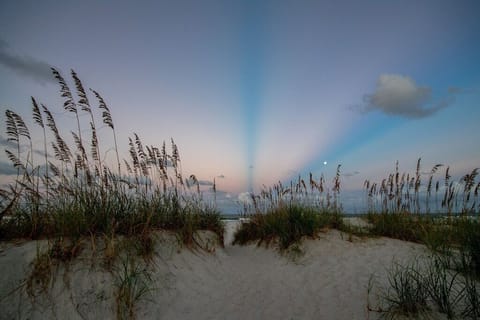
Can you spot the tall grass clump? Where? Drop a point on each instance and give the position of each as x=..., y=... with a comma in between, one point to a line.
x=426, y=288
x=459, y=244
x=468, y=245
x=407, y=293
x=66, y=188
x=443, y=287
x=287, y=224
x=132, y=282
x=456, y=238
x=403, y=226
x=288, y=214
x=421, y=192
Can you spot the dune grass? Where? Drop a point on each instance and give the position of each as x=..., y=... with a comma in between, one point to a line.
x=72, y=191
x=133, y=283
x=426, y=288
x=403, y=226
x=406, y=294
x=289, y=213
x=303, y=207
x=421, y=192
x=455, y=237
x=288, y=225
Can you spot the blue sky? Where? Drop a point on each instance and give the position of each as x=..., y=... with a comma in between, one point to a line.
x=259, y=91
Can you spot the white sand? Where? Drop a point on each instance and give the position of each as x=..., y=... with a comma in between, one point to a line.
x=328, y=282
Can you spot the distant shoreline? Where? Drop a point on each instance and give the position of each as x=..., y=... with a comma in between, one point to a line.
x=236, y=216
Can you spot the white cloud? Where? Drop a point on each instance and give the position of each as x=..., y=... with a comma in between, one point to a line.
x=399, y=95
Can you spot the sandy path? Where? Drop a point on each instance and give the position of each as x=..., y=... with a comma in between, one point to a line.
x=328, y=282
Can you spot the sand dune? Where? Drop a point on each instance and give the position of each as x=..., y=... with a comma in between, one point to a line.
x=328, y=281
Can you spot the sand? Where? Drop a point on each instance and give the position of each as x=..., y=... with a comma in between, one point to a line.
x=327, y=280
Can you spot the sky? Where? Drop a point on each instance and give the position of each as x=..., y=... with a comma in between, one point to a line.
x=255, y=92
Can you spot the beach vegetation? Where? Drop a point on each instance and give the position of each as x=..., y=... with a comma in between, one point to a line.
x=406, y=294
x=71, y=190
x=287, y=224
x=425, y=192
x=133, y=282
x=40, y=278
x=427, y=286
x=287, y=214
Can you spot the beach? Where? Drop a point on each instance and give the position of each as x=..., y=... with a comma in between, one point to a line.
x=326, y=278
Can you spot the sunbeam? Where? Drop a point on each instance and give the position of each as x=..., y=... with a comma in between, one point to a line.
x=252, y=47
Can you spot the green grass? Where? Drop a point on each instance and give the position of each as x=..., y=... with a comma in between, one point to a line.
x=40, y=278
x=427, y=286
x=455, y=237
x=288, y=213
x=407, y=293
x=443, y=287
x=403, y=226
x=468, y=245
x=287, y=224
x=132, y=282
x=472, y=299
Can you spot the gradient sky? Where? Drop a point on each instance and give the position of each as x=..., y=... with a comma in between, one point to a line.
x=254, y=92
